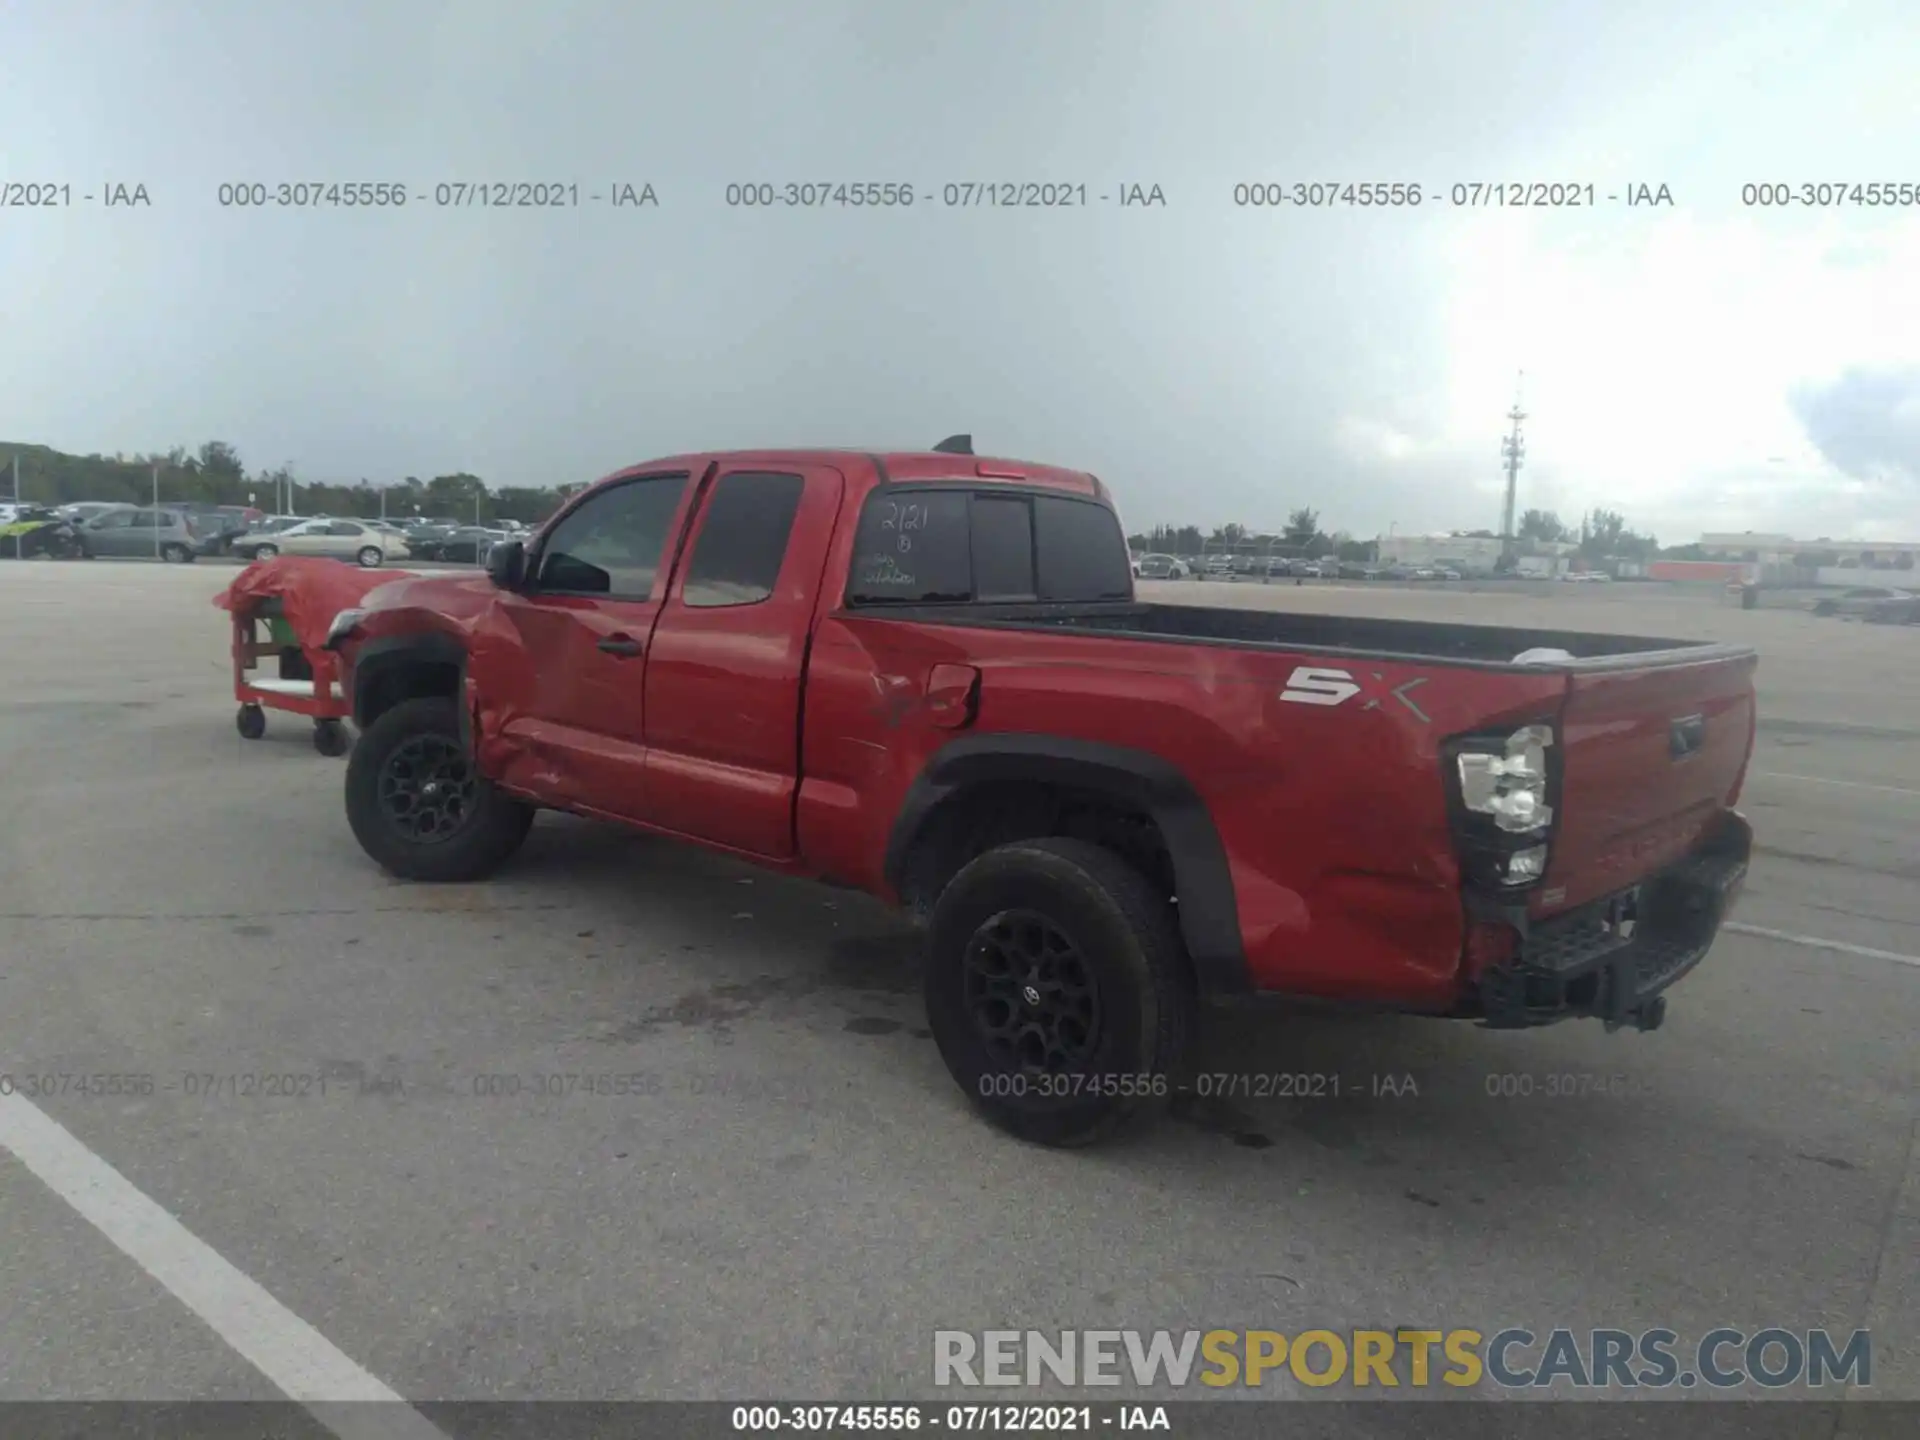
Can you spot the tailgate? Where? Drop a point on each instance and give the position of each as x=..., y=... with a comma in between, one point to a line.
x=1650, y=755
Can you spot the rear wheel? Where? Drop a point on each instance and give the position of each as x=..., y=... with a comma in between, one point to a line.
x=1825, y=607
x=266, y=552
x=1058, y=990
x=418, y=805
x=370, y=557
x=175, y=554
x=251, y=722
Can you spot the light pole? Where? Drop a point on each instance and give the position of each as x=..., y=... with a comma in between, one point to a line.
x=1513, y=451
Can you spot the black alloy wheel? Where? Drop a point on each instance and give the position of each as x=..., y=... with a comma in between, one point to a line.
x=1032, y=997
x=1058, y=990
x=427, y=789
x=418, y=804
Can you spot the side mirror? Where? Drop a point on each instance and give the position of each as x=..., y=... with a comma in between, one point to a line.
x=507, y=564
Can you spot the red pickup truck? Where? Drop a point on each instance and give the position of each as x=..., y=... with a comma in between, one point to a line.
x=928, y=676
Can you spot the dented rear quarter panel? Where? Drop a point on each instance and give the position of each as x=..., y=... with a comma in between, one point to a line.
x=1333, y=818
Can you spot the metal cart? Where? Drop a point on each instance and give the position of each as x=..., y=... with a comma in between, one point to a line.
x=308, y=681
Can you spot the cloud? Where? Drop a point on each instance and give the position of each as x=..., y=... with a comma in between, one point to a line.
x=1866, y=424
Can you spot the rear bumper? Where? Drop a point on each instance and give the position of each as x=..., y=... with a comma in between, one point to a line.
x=1613, y=960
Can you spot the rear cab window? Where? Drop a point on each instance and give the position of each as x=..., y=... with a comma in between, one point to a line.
x=961, y=544
x=742, y=542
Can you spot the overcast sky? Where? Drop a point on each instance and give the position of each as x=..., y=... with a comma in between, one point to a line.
x=1698, y=366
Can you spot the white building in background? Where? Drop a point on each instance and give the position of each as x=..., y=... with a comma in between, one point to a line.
x=1785, y=550
x=1458, y=552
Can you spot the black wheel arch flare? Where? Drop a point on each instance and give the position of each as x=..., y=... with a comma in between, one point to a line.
x=380, y=662
x=1209, y=918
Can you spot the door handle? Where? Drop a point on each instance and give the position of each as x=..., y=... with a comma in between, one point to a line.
x=624, y=646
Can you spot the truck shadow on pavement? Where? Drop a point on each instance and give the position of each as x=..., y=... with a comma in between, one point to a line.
x=757, y=947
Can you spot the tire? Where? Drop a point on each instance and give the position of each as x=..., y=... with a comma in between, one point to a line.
x=251, y=722
x=1129, y=950
x=490, y=824
x=330, y=737
x=1825, y=607
x=175, y=554
x=265, y=552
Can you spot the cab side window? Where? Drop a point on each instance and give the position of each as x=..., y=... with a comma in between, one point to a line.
x=743, y=540
x=615, y=543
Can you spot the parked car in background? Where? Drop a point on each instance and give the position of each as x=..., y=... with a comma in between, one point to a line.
x=248, y=541
x=220, y=524
x=1162, y=567
x=82, y=511
x=423, y=535
x=1904, y=610
x=1860, y=600
x=353, y=540
x=35, y=530
x=466, y=545
x=141, y=530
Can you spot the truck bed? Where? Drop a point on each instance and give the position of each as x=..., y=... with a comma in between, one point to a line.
x=1427, y=640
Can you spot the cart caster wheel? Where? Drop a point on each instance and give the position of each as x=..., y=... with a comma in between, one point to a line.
x=251, y=722
x=330, y=737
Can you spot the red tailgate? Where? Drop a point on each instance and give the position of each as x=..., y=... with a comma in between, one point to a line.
x=1650, y=755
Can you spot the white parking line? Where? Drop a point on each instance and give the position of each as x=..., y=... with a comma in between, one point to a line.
x=279, y=1344
x=1823, y=780
x=1814, y=942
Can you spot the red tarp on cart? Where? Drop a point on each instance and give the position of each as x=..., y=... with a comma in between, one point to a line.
x=311, y=591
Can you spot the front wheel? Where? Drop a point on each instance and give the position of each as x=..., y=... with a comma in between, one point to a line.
x=1058, y=990
x=370, y=558
x=418, y=805
x=266, y=552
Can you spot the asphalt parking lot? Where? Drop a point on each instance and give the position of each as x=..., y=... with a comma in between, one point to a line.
x=801, y=1198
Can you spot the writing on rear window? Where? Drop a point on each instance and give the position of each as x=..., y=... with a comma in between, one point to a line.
x=905, y=517
x=947, y=546
x=912, y=547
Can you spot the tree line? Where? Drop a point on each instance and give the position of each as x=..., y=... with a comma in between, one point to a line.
x=1600, y=535
x=214, y=474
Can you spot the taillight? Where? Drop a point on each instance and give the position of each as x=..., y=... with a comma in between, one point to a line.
x=1502, y=790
